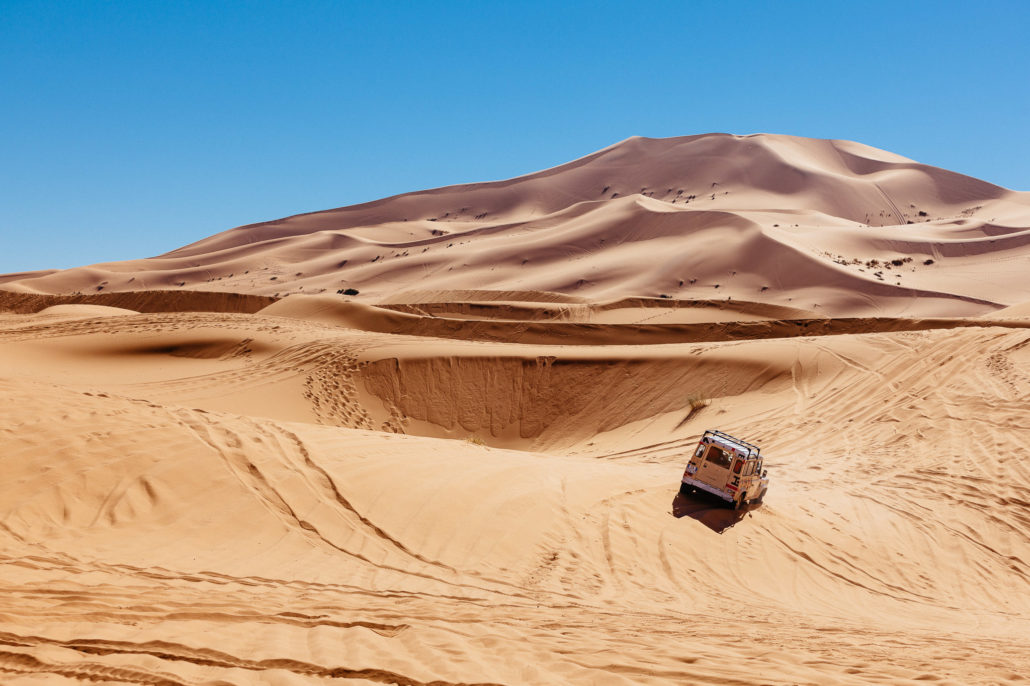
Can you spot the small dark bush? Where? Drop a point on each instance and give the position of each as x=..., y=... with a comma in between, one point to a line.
x=349, y=291
x=928, y=262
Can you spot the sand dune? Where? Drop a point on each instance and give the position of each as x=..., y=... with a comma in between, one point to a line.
x=333, y=502
x=468, y=472
x=793, y=222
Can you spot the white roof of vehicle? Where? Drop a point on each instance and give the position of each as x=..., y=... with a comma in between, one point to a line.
x=729, y=444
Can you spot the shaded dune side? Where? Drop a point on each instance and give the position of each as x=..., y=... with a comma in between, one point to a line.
x=337, y=312
x=524, y=311
x=544, y=400
x=139, y=301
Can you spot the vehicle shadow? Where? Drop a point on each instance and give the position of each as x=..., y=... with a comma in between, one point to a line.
x=711, y=511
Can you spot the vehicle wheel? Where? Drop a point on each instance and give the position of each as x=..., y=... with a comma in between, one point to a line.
x=684, y=489
x=761, y=496
x=742, y=502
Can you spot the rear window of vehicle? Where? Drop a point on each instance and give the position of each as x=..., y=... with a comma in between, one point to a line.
x=718, y=457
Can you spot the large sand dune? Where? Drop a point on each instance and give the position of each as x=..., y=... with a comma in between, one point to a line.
x=468, y=473
x=795, y=222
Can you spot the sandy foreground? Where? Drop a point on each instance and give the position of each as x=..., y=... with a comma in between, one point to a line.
x=220, y=467
x=227, y=498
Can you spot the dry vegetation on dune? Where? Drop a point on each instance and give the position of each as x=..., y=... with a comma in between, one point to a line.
x=222, y=467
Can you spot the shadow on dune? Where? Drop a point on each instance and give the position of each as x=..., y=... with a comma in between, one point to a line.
x=710, y=511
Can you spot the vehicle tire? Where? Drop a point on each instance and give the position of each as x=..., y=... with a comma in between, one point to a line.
x=742, y=502
x=761, y=496
x=684, y=489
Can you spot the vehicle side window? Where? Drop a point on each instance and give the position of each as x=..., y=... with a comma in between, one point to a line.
x=717, y=457
x=750, y=468
x=758, y=467
x=700, y=449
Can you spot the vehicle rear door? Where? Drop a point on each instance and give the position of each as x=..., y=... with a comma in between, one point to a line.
x=716, y=466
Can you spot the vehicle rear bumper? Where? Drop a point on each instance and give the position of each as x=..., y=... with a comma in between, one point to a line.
x=728, y=497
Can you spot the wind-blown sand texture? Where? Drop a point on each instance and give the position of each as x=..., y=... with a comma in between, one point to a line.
x=468, y=473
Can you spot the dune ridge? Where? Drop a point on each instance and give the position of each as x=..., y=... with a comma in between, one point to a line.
x=138, y=301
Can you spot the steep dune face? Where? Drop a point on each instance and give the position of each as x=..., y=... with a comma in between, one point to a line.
x=544, y=400
x=776, y=219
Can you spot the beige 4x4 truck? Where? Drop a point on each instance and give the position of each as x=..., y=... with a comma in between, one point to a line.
x=726, y=467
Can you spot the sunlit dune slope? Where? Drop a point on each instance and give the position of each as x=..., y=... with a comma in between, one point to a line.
x=832, y=226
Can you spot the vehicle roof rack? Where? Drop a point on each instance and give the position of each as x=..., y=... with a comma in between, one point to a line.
x=723, y=434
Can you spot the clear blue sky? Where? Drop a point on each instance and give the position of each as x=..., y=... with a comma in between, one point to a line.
x=131, y=128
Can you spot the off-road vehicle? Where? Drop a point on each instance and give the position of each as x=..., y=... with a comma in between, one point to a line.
x=726, y=467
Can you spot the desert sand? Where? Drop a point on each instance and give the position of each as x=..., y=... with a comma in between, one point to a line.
x=467, y=473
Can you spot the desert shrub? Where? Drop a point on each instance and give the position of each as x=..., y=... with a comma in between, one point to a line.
x=474, y=440
x=696, y=402
x=927, y=262
x=348, y=291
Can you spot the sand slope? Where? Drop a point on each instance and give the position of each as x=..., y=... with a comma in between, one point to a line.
x=832, y=226
x=285, y=499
